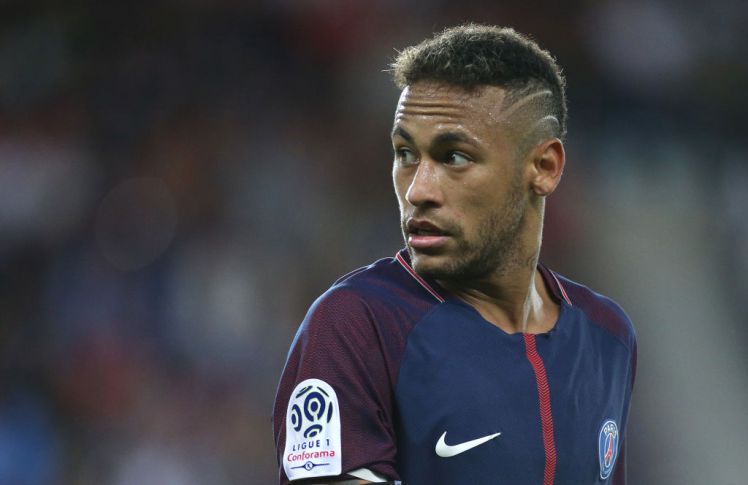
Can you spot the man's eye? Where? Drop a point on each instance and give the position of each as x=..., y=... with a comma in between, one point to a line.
x=403, y=156
x=457, y=159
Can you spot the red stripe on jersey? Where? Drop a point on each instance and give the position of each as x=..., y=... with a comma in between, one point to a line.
x=413, y=273
x=561, y=287
x=546, y=416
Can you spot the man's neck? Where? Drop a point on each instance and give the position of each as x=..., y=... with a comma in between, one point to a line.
x=515, y=301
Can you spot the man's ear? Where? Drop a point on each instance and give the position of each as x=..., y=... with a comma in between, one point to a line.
x=547, y=164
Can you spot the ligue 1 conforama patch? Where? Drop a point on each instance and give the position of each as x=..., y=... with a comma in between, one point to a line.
x=312, y=432
x=607, y=447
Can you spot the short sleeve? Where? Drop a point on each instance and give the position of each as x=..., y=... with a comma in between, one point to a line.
x=333, y=411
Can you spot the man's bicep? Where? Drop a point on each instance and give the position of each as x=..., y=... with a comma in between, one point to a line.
x=342, y=482
x=352, y=481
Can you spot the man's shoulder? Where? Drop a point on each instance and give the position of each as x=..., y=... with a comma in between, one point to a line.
x=600, y=309
x=386, y=281
x=382, y=291
x=384, y=270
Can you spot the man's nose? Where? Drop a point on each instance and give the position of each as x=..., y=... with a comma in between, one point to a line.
x=425, y=189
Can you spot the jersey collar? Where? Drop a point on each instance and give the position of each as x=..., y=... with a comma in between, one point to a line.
x=551, y=280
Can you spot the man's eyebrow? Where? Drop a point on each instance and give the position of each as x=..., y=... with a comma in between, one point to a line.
x=452, y=137
x=440, y=139
x=399, y=131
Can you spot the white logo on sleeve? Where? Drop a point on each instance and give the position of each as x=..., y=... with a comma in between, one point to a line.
x=446, y=451
x=312, y=432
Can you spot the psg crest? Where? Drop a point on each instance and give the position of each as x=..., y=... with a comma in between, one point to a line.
x=607, y=447
x=312, y=431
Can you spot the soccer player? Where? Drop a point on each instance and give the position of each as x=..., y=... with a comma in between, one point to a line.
x=463, y=359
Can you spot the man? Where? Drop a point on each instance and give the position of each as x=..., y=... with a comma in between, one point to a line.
x=462, y=360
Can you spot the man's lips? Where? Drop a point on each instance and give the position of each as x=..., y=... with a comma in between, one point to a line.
x=423, y=234
x=424, y=227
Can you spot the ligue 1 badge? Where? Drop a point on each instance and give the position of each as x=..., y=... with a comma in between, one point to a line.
x=607, y=447
x=312, y=431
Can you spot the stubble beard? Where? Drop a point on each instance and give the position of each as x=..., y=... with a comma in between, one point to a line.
x=496, y=249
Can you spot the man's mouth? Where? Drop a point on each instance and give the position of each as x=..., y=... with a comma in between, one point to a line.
x=423, y=227
x=425, y=235
x=426, y=232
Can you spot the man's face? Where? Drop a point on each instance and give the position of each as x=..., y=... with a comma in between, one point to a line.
x=458, y=182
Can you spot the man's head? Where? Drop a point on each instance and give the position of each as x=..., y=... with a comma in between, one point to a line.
x=472, y=56
x=477, y=139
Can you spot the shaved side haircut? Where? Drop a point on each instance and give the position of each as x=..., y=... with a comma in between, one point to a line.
x=471, y=55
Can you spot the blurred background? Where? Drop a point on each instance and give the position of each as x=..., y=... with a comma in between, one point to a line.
x=179, y=182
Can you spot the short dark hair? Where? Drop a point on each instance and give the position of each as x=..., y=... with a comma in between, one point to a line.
x=472, y=55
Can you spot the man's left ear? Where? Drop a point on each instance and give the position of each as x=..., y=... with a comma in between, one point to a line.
x=548, y=161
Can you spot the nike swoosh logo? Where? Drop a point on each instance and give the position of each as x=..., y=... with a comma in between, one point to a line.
x=445, y=451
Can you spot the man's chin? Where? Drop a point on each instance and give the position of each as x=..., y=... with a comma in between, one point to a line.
x=430, y=265
x=447, y=267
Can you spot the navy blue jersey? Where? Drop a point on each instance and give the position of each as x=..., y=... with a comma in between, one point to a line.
x=391, y=374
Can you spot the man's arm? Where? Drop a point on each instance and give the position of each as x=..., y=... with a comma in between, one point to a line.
x=347, y=482
x=333, y=410
x=352, y=481
x=344, y=482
